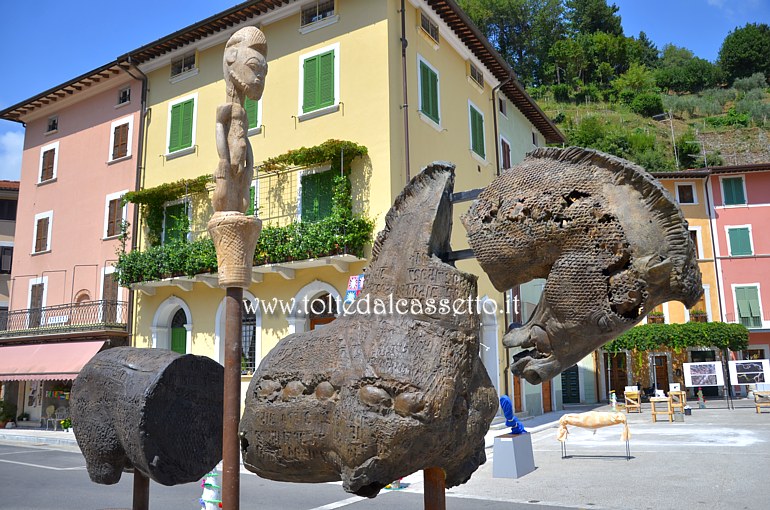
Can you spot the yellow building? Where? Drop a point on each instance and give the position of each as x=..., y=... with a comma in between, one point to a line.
x=336, y=71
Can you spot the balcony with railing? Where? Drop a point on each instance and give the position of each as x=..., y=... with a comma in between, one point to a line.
x=84, y=317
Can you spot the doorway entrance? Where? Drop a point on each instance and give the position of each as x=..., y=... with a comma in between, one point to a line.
x=323, y=310
x=615, y=373
x=570, y=385
x=179, y=332
x=660, y=361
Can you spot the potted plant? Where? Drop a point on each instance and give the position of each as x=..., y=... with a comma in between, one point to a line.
x=656, y=317
x=66, y=424
x=23, y=417
x=697, y=315
x=7, y=412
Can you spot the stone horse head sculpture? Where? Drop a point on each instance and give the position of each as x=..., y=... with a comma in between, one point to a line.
x=379, y=394
x=608, y=238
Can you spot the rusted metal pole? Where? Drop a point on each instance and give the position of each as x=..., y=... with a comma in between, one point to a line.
x=231, y=453
x=141, y=491
x=434, y=486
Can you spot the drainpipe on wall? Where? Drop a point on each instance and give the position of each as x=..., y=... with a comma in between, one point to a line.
x=405, y=106
x=494, y=121
x=140, y=159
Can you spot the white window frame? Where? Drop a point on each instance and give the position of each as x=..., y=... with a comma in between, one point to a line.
x=301, y=174
x=105, y=271
x=43, y=150
x=125, y=120
x=699, y=239
x=730, y=248
x=189, y=217
x=191, y=148
x=258, y=128
x=737, y=317
x=482, y=159
x=471, y=68
x=694, y=192
x=501, y=101
x=706, y=303
x=38, y=217
x=335, y=106
x=722, y=189
x=315, y=25
x=48, y=123
x=109, y=198
x=535, y=139
x=510, y=151
x=174, y=78
x=37, y=281
x=424, y=117
x=120, y=92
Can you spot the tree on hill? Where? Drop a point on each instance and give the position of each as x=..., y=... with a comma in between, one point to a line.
x=643, y=51
x=589, y=16
x=681, y=71
x=746, y=51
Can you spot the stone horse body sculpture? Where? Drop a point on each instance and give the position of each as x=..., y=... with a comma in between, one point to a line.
x=606, y=235
x=371, y=398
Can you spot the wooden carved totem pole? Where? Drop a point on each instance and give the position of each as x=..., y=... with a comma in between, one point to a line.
x=235, y=234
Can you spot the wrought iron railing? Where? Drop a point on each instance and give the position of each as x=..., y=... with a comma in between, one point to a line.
x=71, y=317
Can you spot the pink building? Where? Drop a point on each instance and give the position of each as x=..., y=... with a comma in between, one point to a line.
x=740, y=221
x=80, y=156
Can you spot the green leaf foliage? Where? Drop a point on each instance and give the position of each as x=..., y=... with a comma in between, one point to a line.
x=746, y=51
x=650, y=337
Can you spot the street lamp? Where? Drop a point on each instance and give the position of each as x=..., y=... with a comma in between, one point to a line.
x=662, y=116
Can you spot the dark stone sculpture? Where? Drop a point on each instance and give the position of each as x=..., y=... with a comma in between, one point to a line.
x=607, y=236
x=373, y=397
x=148, y=409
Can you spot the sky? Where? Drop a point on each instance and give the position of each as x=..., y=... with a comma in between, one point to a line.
x=72, y=38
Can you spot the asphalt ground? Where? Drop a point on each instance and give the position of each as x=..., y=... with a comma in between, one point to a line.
x=716, y=459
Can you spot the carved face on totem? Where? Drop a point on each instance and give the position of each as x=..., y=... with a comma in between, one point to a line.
x=245, y=63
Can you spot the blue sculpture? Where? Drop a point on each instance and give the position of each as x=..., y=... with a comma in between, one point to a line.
x=510, y=420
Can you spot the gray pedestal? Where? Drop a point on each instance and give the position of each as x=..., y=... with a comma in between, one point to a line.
x=512, y=456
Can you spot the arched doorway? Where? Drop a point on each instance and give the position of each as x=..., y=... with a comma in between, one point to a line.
x=322, y=310
x=299, y=318
x=179, y=332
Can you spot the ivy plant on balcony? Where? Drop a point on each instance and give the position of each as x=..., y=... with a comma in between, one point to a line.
x=342, y=232
x=677, y=337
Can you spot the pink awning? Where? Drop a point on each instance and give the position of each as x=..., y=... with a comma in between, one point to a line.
x=45, y=362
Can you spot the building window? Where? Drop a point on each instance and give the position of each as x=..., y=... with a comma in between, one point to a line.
x=6, y=259
x=316, y=196
x=505, y=154
x=176, y=223
x=181, y=125
x=429, y=91
x=685, y=194
x=733, y=191
x=502, y=105
x=183, y=64
x=476, y=121
x=747, y=302
x=48, y=162
x=319, y=87
x=36, y=302
x=317, y=11
x=52, y=124
x=534, y=139
x=42, y=237
x=114, y=214
x=252, y=113
x=8, y=209
x=124, y=95
x=120, y=141
x=696, y=241
x=476, y=75
x=739, y=239
x=429, y=27
x=252, y=207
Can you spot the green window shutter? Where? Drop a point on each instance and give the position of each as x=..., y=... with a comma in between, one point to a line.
x=180, y=132
x=477, y=132
x=252, y=111
x=429, y=92
x=740, y=241
x=310, y=88
x=252, y=197
x=733, y=190
x=174, y=130
x=326, y=79
x=175, y=224
x=748, y=306
x=317, y=196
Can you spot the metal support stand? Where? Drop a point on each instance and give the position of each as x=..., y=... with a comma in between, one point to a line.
x=141, y=491
x=231, y=453
x=434, y=482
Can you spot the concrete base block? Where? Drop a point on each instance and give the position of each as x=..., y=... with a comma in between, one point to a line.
x=512, y=456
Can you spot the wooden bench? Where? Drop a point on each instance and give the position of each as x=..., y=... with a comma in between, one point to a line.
x=633, y=401
x=761, y=399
